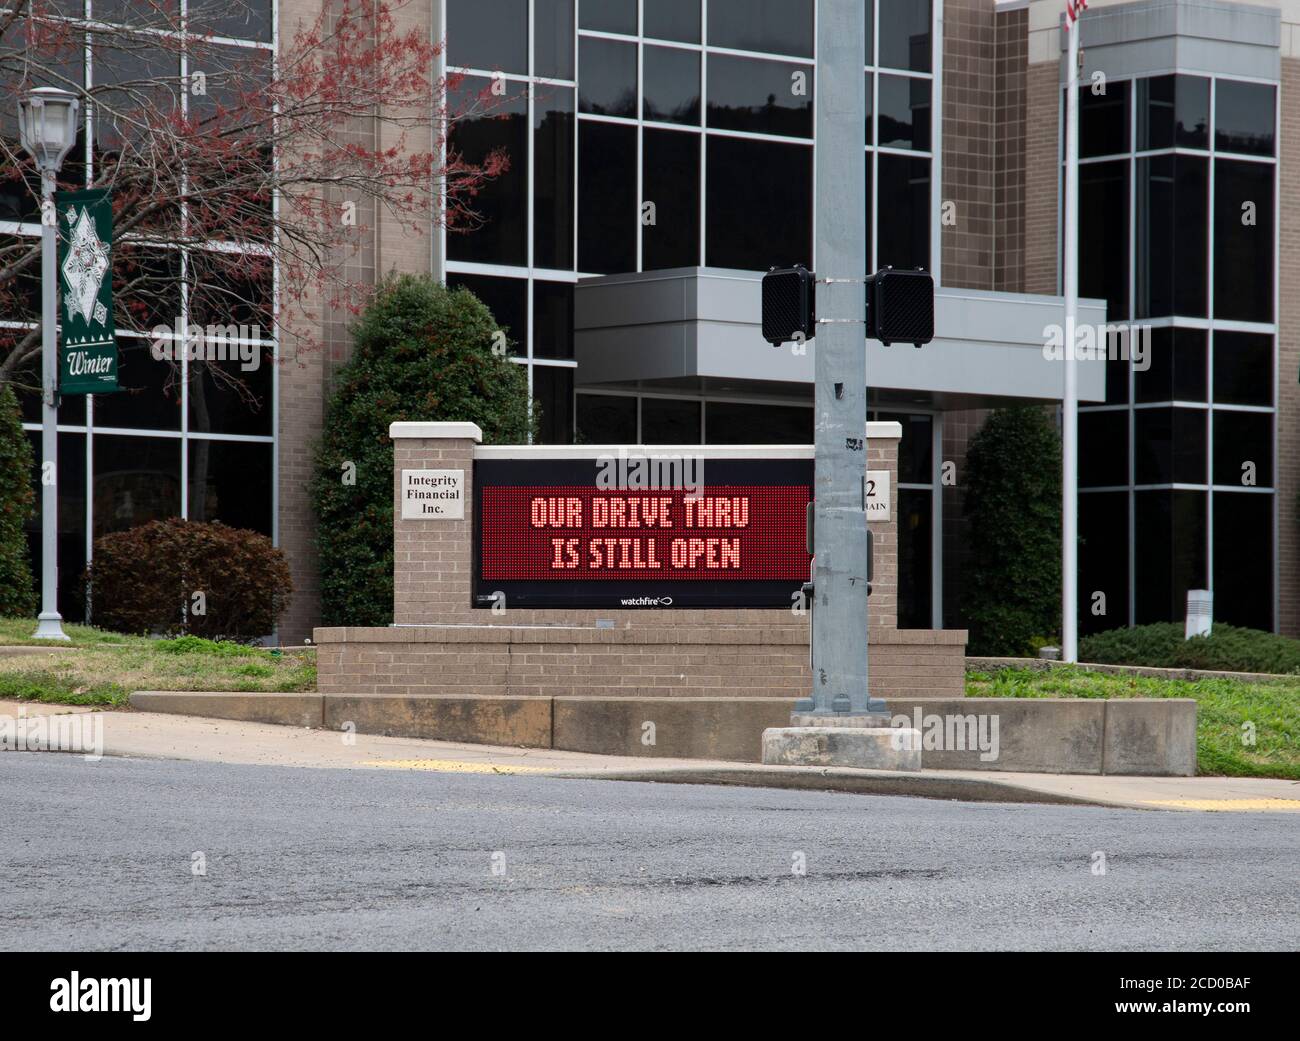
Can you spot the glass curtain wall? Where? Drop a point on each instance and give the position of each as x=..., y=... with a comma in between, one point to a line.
x=656, y=135
x=1178, y=235
x=169, y=443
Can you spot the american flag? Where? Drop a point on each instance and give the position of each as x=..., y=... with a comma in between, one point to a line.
x=1072, y=11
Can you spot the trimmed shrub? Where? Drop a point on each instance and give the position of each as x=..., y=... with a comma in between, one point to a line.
x=144, y=580
x=421, y=352
x=17, y=502
x=199, y=645
x=1011, y=584
x=1162, y=645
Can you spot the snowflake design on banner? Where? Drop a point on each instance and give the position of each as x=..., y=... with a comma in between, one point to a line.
x=84, y=269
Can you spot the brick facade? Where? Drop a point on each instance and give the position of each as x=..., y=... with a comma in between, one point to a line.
x=1010, y=102
x=968, y=144
x=1042, y=177
x=316, y=339
x=983, y=119
x=656, y=657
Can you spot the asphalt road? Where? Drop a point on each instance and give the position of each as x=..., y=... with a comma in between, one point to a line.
x=101, y=856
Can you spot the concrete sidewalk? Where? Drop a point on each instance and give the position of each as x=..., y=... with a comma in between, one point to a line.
x=169, y=736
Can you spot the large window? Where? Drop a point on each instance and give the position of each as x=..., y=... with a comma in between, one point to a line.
x=1243, y=240
x=670, y=176
x=487, y=123
x=520, y=252
x=775, y=26
x=490, y=34
x=899, y=132
x=759, y=204
x=1176, y=468
x=553, y=144
x=759, y=96
x=506, y=298
x=1172, y=198
x=1103, y=253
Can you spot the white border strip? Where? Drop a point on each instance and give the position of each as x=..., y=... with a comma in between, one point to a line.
x=876, y=431
x=643, y=451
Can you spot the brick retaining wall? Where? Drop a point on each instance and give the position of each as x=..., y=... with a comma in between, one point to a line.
x=652, y=660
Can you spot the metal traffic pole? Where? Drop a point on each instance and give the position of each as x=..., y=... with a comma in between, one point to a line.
x=839, y=639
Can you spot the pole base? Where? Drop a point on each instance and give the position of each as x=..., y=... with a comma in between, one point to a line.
x=841, y=707
x=870, y=721
x=834, y=744
x=49, y=626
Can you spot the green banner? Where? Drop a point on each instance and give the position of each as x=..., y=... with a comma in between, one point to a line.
x=87, y=348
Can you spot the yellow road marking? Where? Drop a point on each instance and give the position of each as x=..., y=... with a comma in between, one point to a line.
x=1292, y=805
x=456, y=766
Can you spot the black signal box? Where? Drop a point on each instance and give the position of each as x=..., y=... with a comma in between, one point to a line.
x=900, y=306
x=789, y=305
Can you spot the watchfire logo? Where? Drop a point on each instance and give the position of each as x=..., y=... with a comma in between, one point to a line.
x=100, y=995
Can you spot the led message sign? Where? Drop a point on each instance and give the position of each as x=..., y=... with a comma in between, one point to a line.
x=547, y=534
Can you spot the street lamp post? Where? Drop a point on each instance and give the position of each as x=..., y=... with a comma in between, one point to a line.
x=47, y=120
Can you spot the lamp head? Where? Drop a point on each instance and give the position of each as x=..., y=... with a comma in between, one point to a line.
x=47, y=125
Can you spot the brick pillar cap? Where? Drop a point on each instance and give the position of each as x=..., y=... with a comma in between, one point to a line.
x=462, y=431
x=885, y=429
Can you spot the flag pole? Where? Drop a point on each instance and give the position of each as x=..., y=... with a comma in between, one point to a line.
x=1070, y=417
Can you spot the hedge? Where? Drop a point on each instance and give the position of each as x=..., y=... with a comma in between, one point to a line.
x=1011, y=582
x=174, y=577
x=1162, y=645
x=421, y=352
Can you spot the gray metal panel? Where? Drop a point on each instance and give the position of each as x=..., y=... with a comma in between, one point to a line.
x=1196, y=36
x=621, y=300
x=632, y=329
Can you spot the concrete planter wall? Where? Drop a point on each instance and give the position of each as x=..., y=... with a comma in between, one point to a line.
x=1146, y=736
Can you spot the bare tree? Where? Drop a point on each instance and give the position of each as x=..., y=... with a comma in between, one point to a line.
x=232, y=170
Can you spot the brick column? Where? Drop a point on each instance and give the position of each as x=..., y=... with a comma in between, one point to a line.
x=882, y=454
x=431, y=558
x=1042, y=175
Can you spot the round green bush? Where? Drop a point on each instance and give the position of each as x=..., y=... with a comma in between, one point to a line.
x=422, y=352
x=1011, y=583
x=145, y=580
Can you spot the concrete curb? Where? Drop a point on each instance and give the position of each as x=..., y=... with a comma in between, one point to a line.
x=849, y=781
x=17, y=650
x=286, y=709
